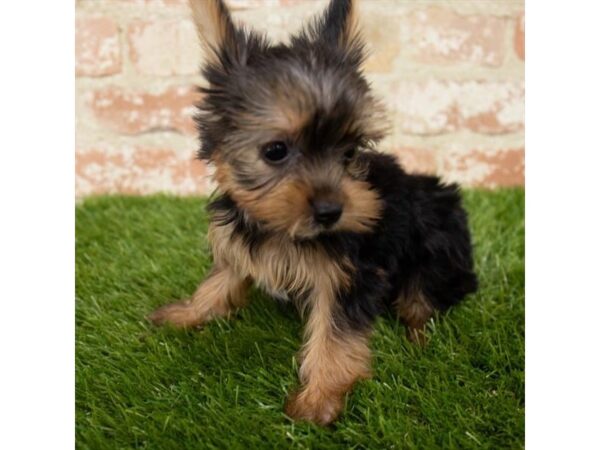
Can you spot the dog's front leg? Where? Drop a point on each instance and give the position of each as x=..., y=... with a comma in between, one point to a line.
x=332, y=360
x=221, y=292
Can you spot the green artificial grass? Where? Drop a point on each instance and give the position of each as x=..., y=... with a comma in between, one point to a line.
x=224, y=386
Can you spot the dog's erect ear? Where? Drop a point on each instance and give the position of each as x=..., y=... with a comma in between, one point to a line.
x=339, y=25
x=215, y=29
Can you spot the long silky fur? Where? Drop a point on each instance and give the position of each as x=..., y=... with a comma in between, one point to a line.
x=401, y=242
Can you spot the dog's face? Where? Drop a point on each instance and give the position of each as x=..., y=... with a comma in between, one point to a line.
x=285, y=125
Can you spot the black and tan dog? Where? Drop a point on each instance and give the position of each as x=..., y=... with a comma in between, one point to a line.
x=307, y=209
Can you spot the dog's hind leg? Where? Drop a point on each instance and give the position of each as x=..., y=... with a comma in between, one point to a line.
x=220, y=293
x=415, y=310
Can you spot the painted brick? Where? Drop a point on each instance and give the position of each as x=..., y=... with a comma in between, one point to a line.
x=298, y=2
x=133, y=112
x=164, y=47
x=157, y=3
x=492, y=107
x=481, y=168
x=97, y=47
x=520, y=37
x=416, y=160
x=277, y=22
x=248, y=4
x=435, y=107
x=125, y=124
x=139, y=170
x=231, y=4
x=380, y=31
x=437, y=35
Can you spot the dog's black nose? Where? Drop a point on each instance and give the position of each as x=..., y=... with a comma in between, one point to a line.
x=326, y=212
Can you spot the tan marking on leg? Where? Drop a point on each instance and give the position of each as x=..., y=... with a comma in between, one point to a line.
x=281, y=208
x=220, y=293
x=332, y=361
x=415, y=310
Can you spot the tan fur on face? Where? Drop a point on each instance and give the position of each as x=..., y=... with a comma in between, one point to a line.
x=221, y=292
x=415, y=310
x=362, y=207
x=286, y=206
x=283, y=208
x=332, y=361
x=281, y=112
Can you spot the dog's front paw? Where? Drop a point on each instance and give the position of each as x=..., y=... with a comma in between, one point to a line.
x=417, y=336
x=180, y=314
x=314, y=407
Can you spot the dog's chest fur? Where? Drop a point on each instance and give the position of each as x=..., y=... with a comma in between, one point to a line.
x=278, y=265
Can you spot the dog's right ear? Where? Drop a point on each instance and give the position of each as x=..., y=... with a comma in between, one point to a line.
x=339, y=24
x=216, y=31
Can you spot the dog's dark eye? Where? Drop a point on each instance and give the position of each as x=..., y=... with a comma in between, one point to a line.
x=349, y=154
x=275, y=152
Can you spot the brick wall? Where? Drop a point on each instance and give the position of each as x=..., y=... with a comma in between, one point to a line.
x=451, y=73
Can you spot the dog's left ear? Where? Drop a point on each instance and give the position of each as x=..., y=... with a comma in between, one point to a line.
x=218, y=35
x=339, y=24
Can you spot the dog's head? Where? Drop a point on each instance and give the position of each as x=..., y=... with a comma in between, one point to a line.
x=286, y=125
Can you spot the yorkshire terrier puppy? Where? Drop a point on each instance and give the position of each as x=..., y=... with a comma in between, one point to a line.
x=308, y=210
